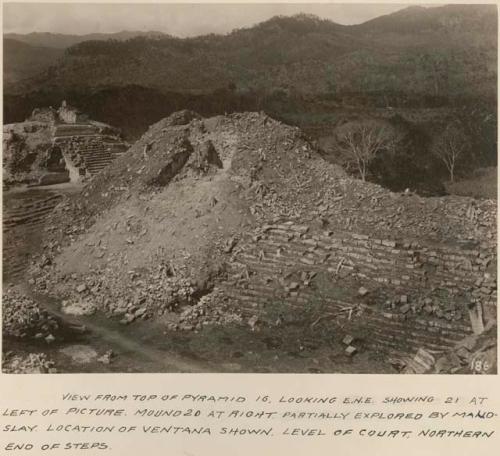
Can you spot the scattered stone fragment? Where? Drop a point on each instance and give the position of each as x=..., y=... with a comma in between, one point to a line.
x=476, y=319
x=22, y=317
x=140, y=312
x=127, y=319
x=348, y=340
x=252, y=322
x=231, y=243
x=106, y=357
x=33, y=363
x=363, y=291
x=421, y=363
x=350, y=350
x=78, y=308
x=405, y=309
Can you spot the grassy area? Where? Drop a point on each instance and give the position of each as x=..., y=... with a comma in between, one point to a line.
x=483, y=184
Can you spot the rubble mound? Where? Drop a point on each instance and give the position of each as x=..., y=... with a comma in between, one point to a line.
x=22, y=317
x=155, y=228
x=32, y=363
x=242, y=212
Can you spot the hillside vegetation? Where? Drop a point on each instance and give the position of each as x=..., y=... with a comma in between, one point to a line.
x=439, y=63
x=23, y=61
x=63, y=41
x=455, y=56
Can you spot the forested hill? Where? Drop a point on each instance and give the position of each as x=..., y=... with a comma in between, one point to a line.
x=22, y=61
x=447, y=51
x=63, y=41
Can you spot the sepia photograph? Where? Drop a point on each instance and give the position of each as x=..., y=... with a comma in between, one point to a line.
x=249, y=188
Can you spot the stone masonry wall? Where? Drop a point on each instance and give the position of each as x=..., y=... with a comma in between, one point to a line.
x=411, y=292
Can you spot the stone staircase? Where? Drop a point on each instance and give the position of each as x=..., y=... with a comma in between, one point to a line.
x=92, y=152
x=23, y=217
x=99, y=156
x=88, y=146
x=30, y=210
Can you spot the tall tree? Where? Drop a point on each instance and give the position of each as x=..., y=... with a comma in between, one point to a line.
x=450, y=145
x=361, y=141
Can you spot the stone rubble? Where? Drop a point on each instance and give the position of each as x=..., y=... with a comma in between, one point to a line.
x=209, y=310
x=275, y=224
x=32, y=363
x=22, y=317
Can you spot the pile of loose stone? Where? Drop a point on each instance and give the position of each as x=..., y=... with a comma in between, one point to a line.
x=476, y=353
x=22, y=317
x=32, y=363
x=147, y=293
x=211, y=309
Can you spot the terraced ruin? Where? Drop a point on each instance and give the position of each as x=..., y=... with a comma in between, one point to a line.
x=238, y=222
x=23, y=217
x=57, y=146
x=87, y=148
x=42, y=152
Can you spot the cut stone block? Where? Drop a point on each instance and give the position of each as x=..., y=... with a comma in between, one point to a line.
x=350, y=350
x=347, y=340
x=362, y=291
x=476, y=319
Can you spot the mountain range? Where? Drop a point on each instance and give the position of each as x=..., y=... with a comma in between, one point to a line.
x=418, y=67
x=62, y=41
x=443, y=51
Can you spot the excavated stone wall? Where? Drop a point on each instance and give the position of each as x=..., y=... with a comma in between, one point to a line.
x=411, y=292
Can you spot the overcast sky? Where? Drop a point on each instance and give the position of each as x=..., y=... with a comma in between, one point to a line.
x=175, y=19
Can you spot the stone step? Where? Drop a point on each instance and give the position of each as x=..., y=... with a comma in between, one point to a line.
x=98, y=161
x=28, y=203
x=31, y=222
x=98, y=157
x=10, y=214
x=98, y=166
x=94, y=171
x=407, y=336
x=26, y=220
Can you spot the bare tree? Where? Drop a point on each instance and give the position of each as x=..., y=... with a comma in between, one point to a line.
x=449, y=146
x=362, y=141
